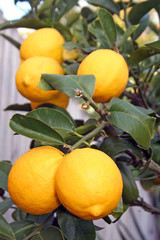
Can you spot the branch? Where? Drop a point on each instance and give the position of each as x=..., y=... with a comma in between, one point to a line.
x=140, y=90
x=89, y=135
x=146, y=206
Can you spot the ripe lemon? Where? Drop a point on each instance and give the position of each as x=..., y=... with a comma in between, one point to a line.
x=110, y=70
x=28, y=76
x=88, y=183
x=70, y=55
x=59, y=99
x=31, y=181
x=47, y=42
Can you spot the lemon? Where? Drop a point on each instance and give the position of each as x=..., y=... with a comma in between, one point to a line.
x=28, y=76
x=110, y=70
x=31, y=181
x=59, y=99
x=46, y=42
x=89, y=183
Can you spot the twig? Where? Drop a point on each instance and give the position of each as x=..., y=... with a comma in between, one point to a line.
x=91, y=103
x=89, y=136
x=37, y=230
x=140, y=90
x=146, y=206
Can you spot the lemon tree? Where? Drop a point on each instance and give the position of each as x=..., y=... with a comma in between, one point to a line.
x=106, y=57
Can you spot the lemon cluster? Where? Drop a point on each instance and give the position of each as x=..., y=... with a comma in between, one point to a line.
x=87, y=182
x=41, y=52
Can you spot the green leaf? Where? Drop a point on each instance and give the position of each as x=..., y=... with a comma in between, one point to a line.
x=19, y=215
x=140, y=9
x=127, y=34
x=143, y=24
x=96, y=29
x=109, y=5
x=63, y=7
x=5, y=167
x=54, y=119
x=49, y=233
x=154, y=45
x=128, y=118
x=25, y=22
x=3, y=180
x=65, y=31
x=22, y=228
x=109, y=28
x=130, y=190
x=6, y=231
x=80, y=31
x=11, y=40
x=75, y=228
x=70, y=69
x=82, y=130
x=5, y=205
x=34, y=129
x=113, y=146
x=118, y=211
x=142, y=53
x=68, y=84
x=19, y=107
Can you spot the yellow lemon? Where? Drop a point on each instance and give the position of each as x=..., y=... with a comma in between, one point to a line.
x=46, y=42
x=28, y=76
x=59, y=99
x=89, y=183
x=31, y=181
x=110, y=70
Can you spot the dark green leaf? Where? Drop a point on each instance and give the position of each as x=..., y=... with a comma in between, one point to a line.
x=154, y=45
x=149, y=62
x=22, y=228
x=107, y=219
x=70, y=45
x=35, y=129
x=11, y=40
x=75, y=228
x=5, y=167
x=6, y=231
x=5, y=205
x=63, y=7
x=19, y=215
x=128, y=118
x=118, y=211
x=96, y=29
x=65, y=31
x=79, y=31
x=54, y=119
x=143, y=24
x=68, y=84
x=140, y=9
x=130, y=190
x=107, y=23
x=127, y=34
x=113, y=146
x=49, y=233
x=28, y=23
x=70, y=69
x=19, y=107
x=3, y=180
x=109, y=5
x=141, y=54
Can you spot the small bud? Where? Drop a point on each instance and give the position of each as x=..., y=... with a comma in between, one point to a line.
x=85, y=106
x=78, y=93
